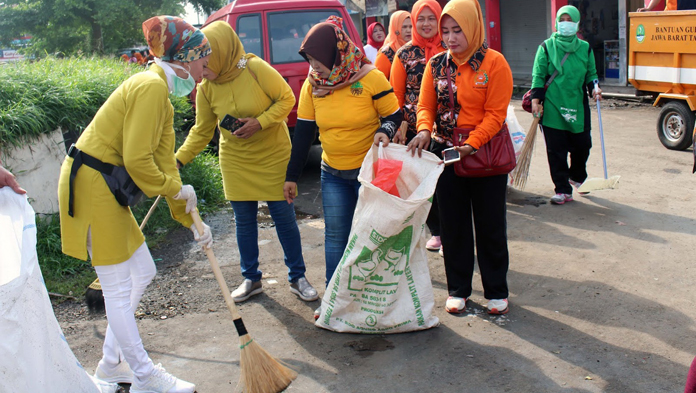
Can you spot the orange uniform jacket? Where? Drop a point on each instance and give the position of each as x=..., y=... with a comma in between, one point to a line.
x=482, y=87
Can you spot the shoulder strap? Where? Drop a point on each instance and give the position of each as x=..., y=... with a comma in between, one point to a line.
x=449, y=87
x=553, y=76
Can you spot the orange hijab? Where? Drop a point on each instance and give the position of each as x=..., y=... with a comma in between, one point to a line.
x=468, y=15
x=430, y=45
x=395, y=39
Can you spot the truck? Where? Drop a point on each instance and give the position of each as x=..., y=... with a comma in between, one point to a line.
x=662, y=61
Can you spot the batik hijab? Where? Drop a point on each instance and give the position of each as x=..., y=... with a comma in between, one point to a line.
x=228, y=59
x=431, y=45
x=468, y=15
x=395, y=39
x=370, y=40
x=330, y=45
x=171, y=38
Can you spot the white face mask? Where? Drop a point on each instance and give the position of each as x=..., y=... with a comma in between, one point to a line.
x=567, y=28
x=178, y=86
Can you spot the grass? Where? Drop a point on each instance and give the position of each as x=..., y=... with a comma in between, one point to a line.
x=38, y=97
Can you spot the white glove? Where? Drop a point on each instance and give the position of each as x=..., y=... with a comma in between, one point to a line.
x=189, y=194
x=205, y=240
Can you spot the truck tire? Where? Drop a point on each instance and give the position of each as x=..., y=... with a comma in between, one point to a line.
x=675, y=125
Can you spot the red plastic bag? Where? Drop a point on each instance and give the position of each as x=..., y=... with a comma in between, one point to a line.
x=386, y=173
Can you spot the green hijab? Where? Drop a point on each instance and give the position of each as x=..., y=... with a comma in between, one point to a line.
x=559, y=45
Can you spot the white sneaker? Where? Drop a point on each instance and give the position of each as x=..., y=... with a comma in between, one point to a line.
x=160, y=381
x=560, y=199
x=498, y=306
x=246, y=290
x=120, y=374
x=455, y=305
x=577, y=185
x=442, y=253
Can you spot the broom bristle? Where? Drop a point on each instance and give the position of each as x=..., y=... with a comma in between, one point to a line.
x=261, y=372
x=521, y=172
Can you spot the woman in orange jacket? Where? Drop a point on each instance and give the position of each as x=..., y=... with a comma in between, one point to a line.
x=406, y=75
x=399, y=34
x=481, y=81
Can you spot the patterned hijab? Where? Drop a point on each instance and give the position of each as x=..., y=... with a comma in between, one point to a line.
x=330, y=45
x=171, y=38
x=468, y=15
x=431, y=45
x=395, y=39
x=228, y=52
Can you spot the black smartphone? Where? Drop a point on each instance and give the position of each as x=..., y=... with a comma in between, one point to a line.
x=231, y=123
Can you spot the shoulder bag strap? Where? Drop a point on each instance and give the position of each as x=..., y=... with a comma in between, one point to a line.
x=449, y=89
x=548, y=83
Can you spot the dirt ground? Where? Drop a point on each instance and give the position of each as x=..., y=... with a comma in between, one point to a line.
x=601, y=296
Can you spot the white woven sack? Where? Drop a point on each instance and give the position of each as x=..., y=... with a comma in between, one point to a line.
x=382, y=283
x=34, y=355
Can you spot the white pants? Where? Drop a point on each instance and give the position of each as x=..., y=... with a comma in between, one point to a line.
x=123, y=285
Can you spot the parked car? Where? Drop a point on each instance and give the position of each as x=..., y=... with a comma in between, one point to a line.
x=275, y=29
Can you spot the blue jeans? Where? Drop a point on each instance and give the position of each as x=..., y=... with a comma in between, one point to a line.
x=283, y=214
x=339, y=198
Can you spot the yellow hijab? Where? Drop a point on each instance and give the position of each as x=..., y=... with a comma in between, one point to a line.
x=227, y=51
x=467, y=14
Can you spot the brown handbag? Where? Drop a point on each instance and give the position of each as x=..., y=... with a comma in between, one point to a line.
x=496, y=157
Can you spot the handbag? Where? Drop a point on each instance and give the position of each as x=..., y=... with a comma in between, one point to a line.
x=527, y=98
x=496, y=157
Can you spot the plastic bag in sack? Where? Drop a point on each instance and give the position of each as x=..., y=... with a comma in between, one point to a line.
x=34, y=355
x=517, y=132
x=382, y=283
x=386, y=172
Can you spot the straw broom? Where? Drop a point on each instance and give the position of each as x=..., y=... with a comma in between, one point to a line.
x=260, y=372
x=521, y=171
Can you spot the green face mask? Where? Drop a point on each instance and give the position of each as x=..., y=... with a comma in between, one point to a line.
x=182, y=87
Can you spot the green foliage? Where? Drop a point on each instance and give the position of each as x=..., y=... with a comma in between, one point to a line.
x=86, y=26
x=38, y=97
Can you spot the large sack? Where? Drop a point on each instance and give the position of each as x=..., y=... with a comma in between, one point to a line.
x=382, y=284
x=34, y=355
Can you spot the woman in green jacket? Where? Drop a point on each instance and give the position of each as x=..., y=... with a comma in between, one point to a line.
x=564, y=106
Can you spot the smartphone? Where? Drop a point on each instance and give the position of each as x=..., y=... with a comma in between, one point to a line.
x=231, y=123
x=451, y=155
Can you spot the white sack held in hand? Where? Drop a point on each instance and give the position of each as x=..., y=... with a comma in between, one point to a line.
x=34, y=356
x=382, y=283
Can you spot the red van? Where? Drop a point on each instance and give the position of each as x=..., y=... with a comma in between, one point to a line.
x=275, y=29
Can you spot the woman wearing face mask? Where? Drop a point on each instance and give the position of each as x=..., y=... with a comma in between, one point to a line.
x=254, y=157
x=353, y=106
x=375, y=39
x=133, y=129
x=564, y=106
x=399, y=34
x=406, y=76
x=471, y=208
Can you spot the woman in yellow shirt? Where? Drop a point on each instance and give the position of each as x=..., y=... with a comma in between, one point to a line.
x=253, y=157
x=353, y=106
x=132, y=130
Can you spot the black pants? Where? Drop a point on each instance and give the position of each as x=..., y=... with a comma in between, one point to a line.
x=558, y=144
x=483, y=199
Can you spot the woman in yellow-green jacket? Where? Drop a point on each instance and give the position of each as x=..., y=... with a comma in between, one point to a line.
x=253, y=157
x=132, y=130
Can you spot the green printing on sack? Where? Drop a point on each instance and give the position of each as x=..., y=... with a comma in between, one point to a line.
x=383, y=266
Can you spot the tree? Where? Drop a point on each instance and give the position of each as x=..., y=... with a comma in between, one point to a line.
x=86, y=26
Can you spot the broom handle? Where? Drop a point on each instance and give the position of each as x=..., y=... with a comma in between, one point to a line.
x=601, y=135
x=216, y=269
x=149, y=213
